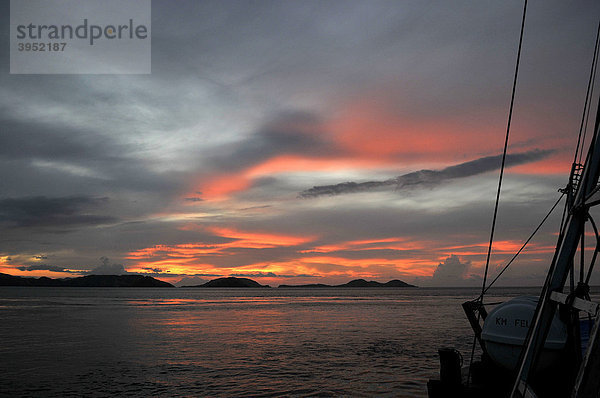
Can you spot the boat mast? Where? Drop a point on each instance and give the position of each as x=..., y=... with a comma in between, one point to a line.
x=587, y=194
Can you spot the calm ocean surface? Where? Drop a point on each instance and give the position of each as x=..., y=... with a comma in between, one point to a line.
x=229, y=342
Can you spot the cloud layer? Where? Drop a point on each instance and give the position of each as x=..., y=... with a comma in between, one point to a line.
x=196, y=169
x=61, y=212
x=430, y=177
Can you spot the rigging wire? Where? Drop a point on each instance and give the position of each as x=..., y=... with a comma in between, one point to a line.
x=524, y=244
x=510, y=112
x=582, y=254
x=578, y=152
x=583, y=129
x=588, y=96
x=593, y=261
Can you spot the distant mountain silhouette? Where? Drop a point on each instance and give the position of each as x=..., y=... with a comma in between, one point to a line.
x=397, y=283
x=85, y=281
x=147, y=281
x=230, y=282
x=357, y=283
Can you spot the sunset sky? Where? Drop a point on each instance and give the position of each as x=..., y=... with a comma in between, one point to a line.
x=300, y=142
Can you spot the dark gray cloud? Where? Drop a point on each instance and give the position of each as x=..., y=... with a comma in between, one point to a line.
x=271, y=275
x=329, y=45
x=45, y=267
x=51, y=161
x=223, y=69
x=429, y=177
x=58, y=212
x=55, y=140
x=289, y=132
x=452, y=272
x=452, y=269
x=190, y=275
x=155, y=270
x=108, y=268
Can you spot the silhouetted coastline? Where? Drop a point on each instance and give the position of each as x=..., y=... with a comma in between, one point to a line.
x=147, y=281
x=84, y=281
x=230, y=282
x=355, y=283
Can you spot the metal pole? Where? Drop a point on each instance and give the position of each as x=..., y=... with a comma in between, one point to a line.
x=559, y=270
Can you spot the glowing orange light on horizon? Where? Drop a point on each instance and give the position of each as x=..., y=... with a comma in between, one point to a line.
x=259, y=238
x=399, y=244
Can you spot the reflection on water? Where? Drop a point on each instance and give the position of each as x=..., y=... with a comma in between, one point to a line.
x=227, y=342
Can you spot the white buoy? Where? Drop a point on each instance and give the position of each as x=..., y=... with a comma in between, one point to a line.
x=505, y=330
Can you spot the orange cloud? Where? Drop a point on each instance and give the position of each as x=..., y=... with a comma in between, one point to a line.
x=557, y=164
x=183, y=258
x=292, y=163
x=222, y=186
x=11, y=267
x=13, y=270
x=259, y=240
x=370, y=132
x=186, y=258
x=506, y=247
x=363, y=245
x=369, y=136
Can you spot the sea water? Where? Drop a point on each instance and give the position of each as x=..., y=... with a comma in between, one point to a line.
x=198, y=342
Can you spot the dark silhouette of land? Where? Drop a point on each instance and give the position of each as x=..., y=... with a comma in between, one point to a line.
x=245, y=282
x=230, y=282
x=147, y=281
x=356, y=283
x=85, y=281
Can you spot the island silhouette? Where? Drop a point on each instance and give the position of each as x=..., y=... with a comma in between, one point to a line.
x=148, y=281
x=355, y=283
x=230, y=282
x=84, y=281
x=245, y=282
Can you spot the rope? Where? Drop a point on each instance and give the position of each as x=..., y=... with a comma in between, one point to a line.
x=588, y=96
x=510, y=112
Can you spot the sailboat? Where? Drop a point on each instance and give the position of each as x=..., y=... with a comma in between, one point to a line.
x=546, y=346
